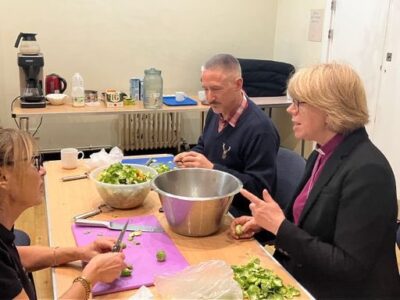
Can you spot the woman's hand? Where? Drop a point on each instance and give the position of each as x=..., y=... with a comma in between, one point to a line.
x=248, y=227
x=267, y=213
x=101, y=245
x=104, y=267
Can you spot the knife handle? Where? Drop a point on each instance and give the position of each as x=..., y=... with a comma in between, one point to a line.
x=88, y=214
x=92, y=223
x=74, y=177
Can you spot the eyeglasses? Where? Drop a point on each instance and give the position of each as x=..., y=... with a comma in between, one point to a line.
x=296, y=104
x=37, y=161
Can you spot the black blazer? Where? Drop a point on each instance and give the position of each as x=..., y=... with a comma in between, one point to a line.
x=344, y=244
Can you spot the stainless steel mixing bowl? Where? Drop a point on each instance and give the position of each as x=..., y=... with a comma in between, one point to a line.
x=195, y=200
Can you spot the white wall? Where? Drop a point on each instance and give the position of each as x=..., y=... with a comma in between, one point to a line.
x=291, y=45
x=291, y=36
x=110, y=41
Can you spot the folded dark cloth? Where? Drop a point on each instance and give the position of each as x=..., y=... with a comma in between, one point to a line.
x=263, y=78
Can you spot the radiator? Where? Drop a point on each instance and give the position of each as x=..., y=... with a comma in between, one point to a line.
x=155, y=130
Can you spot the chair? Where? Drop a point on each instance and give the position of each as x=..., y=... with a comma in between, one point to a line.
x=21, y=238
x=290, y=169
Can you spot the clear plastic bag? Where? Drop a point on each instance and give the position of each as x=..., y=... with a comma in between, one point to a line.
x=208, y=280
x=102, y=158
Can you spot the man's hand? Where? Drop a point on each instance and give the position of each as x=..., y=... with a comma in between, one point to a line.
x=267, y=213
x=192, y=159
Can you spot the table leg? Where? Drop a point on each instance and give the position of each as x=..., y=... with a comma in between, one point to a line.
x=23, y=123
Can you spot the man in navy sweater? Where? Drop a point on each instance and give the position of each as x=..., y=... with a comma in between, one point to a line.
x=238, y=136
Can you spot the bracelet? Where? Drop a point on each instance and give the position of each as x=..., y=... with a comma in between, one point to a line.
x=54, y=257
x=85, y=283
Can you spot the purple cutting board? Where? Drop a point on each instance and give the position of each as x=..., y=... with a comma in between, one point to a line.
x=142, y=257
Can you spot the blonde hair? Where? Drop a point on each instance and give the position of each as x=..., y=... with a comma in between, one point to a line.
x=16, y=150
x=335, y=89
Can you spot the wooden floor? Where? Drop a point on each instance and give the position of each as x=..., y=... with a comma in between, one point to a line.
x=34, y=222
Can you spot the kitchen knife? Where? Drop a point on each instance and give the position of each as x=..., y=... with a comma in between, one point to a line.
x=75, y=177
x=117, y=226
x=98, y=210
x=88, y=214
x=118, y=244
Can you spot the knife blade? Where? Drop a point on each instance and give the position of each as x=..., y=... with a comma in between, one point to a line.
x=117, y=226
x=118, y=244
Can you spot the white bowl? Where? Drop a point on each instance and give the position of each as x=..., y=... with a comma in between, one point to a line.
x=56, y=99
x=123, y=196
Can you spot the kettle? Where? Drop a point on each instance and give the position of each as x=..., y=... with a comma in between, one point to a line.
x=29, y=45
x=55, y=84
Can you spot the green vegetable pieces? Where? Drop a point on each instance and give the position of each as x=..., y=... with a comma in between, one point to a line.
x=123, y=174
x=126, y=272
x=160, y=168
x=238, y=230
x=161, y=255
x=259, y=283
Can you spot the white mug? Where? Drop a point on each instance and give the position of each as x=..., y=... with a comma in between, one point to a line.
x=180, y=96
x=202, y=96
x=70, y=157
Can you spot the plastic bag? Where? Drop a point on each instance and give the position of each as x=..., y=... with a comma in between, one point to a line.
x=208, y=280
x=142, y=294
x=102, y=158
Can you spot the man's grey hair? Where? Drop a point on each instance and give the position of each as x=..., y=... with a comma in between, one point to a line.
x=225, y=62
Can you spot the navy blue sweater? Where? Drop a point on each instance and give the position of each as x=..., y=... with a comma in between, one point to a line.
x=253, y=145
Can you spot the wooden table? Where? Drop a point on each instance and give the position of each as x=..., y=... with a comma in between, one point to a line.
x=67, y=199
x=22, y=115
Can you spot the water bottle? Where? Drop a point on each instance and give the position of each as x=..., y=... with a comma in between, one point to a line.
x=153, y=89
x=78, y=91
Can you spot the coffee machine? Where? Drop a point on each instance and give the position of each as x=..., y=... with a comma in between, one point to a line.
x=30, y=62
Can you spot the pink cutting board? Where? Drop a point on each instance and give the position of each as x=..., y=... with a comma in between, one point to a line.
x=142, y=257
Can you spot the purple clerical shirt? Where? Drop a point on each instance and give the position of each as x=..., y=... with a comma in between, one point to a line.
x=325, y=152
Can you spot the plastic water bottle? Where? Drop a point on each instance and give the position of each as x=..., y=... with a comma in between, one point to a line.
x=78, y=91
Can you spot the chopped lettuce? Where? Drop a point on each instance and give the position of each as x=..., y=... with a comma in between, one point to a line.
x=123, y=174
x=260, y=283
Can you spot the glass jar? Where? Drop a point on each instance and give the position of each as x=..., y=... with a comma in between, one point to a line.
x=152, y=89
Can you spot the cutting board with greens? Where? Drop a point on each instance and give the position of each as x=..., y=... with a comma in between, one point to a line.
x=142, y=252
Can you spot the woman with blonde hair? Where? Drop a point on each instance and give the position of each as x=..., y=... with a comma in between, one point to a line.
x=337, y=235
x=21, y=187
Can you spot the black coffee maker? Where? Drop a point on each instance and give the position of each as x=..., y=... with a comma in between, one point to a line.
x=30, y=62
